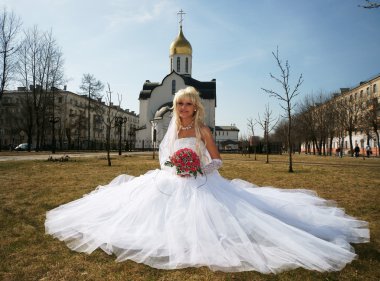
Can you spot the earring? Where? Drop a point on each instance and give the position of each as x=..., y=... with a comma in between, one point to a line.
x=195, y=110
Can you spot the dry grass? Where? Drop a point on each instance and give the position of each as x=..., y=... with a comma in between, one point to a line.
x=30, y=188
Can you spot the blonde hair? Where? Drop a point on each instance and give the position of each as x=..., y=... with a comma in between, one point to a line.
x=199, y=115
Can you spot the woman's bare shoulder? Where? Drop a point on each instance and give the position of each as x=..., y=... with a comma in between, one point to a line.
x=205, y=131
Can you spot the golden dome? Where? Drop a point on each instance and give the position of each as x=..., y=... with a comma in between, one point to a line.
x=180, y=45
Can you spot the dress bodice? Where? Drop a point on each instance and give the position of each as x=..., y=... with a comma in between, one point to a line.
x=189, y=142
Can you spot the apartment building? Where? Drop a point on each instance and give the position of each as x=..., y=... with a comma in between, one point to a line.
x=63, y=119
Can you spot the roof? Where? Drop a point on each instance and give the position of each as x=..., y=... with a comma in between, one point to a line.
x=168, y=107
x=207, y=90
x=361, y=83
x=180, y=45
x=226, y=128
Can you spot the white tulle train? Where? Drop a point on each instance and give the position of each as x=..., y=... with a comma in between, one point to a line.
x=170, y=222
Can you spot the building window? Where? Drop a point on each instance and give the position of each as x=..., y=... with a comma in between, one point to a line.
x=178, y=65
x=374, y=89
x=367, y=91
x=60, y=100
x=173, y=87
x=187, y=65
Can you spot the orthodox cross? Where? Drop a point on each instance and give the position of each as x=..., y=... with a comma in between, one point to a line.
x=181, y=13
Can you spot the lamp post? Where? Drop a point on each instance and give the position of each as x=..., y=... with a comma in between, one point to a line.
x=53, y=119
x=119, y=121
x=154, y=136
x=266, y=140
x=131, y=135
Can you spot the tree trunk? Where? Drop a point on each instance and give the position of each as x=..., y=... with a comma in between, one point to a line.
x=290, y=148
x=351, y=144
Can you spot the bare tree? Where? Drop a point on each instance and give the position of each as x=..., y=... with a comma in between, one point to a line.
x=244, y=143
x=9, y=27
x=79, y=126
x=331, y=122
x=286, y=97
x=267, y=123
x=109, y=122
x=370, y=5
x=321, y=121
x=280, y=132
x=39, y=68
x=304, y=124
x=370, y=119
x=351, y=116
x=251, y=127
x=92, y=87
x=52, y=75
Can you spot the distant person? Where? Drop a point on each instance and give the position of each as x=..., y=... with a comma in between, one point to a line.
x=357, y=151
x=188, y=215
x=368, y=150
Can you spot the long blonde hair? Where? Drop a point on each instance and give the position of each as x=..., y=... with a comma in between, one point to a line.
x=199, y=115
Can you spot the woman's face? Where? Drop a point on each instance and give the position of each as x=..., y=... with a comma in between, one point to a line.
x=185, y=108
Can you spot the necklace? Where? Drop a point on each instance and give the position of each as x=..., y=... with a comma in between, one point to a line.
x=188, y=127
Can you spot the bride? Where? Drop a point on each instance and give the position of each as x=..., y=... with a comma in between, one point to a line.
x=187, y=215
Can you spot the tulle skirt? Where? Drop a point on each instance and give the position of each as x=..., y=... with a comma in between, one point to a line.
x=169, y=222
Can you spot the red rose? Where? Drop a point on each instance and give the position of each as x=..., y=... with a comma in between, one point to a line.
x=186, y=161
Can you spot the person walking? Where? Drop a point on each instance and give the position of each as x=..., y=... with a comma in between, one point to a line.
x=368, y=150
x=357, y=150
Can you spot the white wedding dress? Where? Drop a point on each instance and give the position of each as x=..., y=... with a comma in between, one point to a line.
x=170, y=222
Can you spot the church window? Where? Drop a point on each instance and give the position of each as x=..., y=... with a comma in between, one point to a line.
x=187, y=65
x=173, y=87
x=178, y=65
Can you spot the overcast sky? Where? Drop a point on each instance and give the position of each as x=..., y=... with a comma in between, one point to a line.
x=333, y=43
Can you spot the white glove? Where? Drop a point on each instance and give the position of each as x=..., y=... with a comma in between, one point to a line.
x=215, y=164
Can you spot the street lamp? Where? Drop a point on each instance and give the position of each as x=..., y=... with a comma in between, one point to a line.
x=53, y=119
x=266, y=139
x=154, y=135
x=131, y=135
x=119, y=121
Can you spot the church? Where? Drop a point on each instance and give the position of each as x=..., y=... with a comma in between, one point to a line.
x=156, y=98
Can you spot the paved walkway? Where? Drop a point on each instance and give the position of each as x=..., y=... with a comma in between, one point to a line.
x=24, y=155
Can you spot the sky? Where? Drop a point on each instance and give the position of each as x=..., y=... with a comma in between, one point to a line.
x=333, y=43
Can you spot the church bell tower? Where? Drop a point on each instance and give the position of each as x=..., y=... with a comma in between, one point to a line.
x=181, y=52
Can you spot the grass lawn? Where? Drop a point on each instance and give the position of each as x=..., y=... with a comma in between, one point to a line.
x=30, y=188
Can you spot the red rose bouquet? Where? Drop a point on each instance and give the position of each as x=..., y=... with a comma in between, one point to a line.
x=186, y=161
